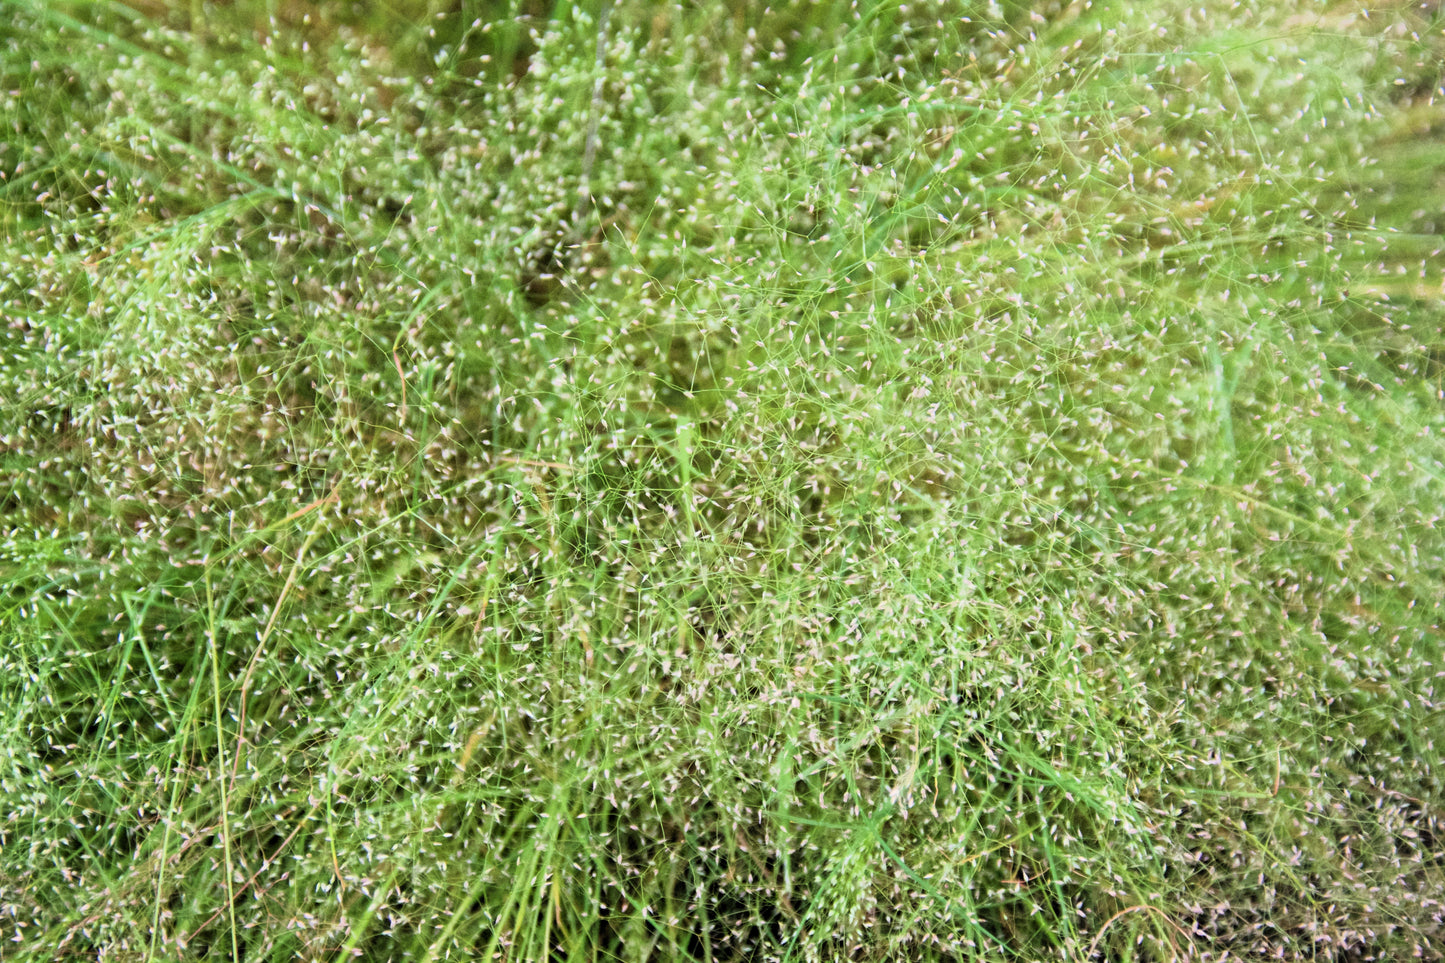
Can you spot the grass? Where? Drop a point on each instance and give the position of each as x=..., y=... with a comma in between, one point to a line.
x=527, y=481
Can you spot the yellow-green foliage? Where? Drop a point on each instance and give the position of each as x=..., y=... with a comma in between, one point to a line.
x=716, y=481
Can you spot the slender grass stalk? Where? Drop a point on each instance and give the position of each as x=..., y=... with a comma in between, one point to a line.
x=212, y=627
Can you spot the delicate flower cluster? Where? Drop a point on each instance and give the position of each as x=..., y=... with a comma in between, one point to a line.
x=941, y=480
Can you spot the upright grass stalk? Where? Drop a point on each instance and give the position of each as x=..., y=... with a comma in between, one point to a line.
x=221, y=776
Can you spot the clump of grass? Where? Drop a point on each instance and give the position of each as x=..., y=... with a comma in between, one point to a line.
x=701, y=482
